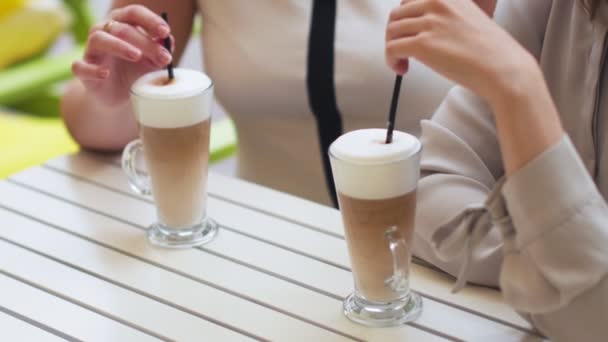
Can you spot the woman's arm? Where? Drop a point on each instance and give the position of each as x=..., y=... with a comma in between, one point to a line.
x=96, y=107
x=555, y=228
x=553, y=222
x=462, y=163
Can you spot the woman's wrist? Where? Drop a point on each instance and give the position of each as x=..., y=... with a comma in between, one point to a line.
x=518, y=80
x=527, y=121
x=95, y=125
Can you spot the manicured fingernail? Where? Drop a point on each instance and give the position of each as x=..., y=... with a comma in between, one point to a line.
x=164, y=57
x=134, y=54
x=163, y=30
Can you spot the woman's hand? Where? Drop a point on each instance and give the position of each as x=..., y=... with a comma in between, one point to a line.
x=120, y=50
x=459, y=40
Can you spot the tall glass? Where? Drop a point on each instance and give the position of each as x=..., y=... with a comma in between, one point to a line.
x=174, y=119
x=376, y=186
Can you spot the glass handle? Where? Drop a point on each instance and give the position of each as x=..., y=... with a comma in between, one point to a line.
x=398, y=282
x=138, y=180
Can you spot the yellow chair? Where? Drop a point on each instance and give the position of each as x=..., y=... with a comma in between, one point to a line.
x=27, y=140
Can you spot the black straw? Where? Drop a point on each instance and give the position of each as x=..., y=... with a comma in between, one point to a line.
x=167, y=42
x=393, y=112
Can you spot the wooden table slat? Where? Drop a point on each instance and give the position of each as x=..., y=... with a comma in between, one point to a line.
x=232, y=299
x=13, y=329
x=135, y=280
x=75, y=264
x=463, y=325
x=54, y=313
x=426, y=281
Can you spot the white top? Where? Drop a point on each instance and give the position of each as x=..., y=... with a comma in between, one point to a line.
x=256, y=54
x=81, y=268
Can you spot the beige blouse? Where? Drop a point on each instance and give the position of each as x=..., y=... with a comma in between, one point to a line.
x=256, y=53
x=542, y=234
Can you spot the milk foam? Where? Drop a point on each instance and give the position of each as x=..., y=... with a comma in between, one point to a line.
x=365, y=167
x=184, y=101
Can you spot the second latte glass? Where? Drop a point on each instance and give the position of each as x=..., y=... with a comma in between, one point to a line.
x=376, y=184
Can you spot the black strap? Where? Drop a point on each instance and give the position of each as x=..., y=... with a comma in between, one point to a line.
x=320, y=82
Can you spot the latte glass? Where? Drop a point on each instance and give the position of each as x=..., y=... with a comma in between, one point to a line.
x=376, y=186
x=174, y=119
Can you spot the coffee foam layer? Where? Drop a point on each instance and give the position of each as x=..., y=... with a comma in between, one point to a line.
x=162, y=103
x=365, y=167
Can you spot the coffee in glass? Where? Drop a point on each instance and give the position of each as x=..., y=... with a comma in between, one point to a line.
x=376, y=185
x=174, y=119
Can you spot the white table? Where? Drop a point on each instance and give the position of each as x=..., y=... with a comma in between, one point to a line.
x=75, y=265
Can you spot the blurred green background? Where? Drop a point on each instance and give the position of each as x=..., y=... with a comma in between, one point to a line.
x=41, y=38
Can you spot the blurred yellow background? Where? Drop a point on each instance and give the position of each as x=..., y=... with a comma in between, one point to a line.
x=30, y=128
x=41, y=39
